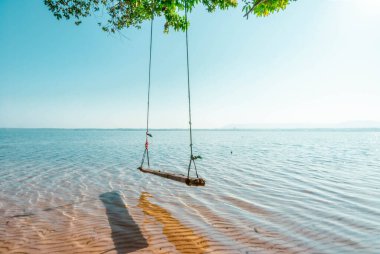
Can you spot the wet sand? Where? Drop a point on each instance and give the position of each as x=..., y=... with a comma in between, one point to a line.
x=113, y=227
x=110, y=225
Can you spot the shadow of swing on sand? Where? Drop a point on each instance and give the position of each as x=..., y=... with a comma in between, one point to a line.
x=126, y=234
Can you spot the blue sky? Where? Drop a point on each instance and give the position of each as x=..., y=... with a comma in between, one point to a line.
x=315, y=62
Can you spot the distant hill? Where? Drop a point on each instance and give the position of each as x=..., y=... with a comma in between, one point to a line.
x=343, y=125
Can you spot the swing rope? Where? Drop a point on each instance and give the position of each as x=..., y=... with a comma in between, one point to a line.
x=146, y=151
x=147, y=134
x=192, y=157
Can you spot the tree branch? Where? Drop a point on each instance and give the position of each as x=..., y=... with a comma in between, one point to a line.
x=253, y=7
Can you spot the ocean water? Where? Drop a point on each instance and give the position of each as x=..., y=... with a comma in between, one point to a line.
x=78, y=191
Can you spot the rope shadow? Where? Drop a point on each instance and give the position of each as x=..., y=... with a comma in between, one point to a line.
x=126, y=234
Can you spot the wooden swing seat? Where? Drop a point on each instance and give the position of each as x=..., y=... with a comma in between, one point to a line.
x=192, y=181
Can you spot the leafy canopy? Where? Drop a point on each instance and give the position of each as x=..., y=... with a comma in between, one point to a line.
x=115, y=15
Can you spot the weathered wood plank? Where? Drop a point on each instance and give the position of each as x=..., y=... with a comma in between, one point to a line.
x=176, y=177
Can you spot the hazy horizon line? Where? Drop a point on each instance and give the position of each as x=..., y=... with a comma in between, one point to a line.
x=194, y=129
x=354, y=124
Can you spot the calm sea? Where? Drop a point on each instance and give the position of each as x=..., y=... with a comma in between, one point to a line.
x=306, y=191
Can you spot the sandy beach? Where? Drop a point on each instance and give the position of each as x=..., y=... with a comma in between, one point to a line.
x=114, y=226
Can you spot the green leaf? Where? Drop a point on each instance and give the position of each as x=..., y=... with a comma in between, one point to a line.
x=120, y=14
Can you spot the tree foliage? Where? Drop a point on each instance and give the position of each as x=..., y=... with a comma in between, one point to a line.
x=115, y=15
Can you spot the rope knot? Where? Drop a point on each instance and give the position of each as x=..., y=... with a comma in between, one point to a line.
x=195, y=157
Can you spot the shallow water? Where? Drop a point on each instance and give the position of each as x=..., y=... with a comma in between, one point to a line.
x=78, y=191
